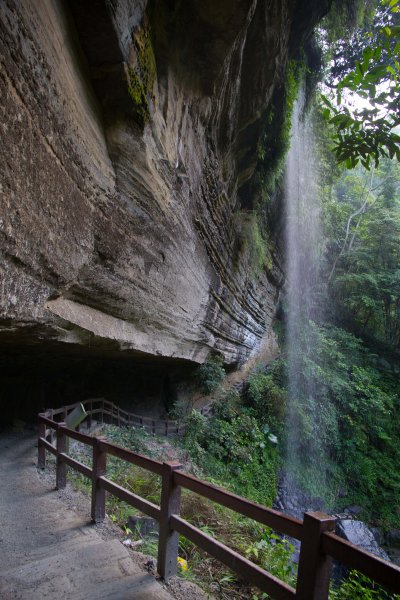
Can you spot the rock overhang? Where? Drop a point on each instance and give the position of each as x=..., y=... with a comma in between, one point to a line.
x=123, y=223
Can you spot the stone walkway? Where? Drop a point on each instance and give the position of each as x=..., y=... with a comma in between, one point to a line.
x=48, y=551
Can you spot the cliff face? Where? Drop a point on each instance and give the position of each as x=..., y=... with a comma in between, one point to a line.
x=129, y=134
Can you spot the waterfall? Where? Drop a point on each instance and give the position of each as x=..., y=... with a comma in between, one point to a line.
x=302, y=303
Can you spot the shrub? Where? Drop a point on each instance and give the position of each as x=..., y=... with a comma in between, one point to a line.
x=360, y=587
x=210, y=374
x=232, y=448
x=266, y=399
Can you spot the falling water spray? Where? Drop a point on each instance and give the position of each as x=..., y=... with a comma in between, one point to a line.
x=304, y=450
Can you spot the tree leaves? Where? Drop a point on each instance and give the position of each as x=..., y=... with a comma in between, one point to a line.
x=365, y=274
x=366, y=110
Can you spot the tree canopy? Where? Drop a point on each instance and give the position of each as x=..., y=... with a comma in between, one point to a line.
x=364, y=109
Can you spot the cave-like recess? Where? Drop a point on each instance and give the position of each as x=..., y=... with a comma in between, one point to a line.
x=128, y=192
x=54, y=374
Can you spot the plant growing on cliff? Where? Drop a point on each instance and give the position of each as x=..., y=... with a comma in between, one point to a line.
x=275, y=140
x=211, y=374
x=266, y=398
x=141, y=77
x=252, y=247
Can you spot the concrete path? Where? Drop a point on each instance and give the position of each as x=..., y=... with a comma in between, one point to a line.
x=47, y=551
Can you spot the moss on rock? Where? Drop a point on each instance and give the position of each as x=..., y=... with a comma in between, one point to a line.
x=142, y=75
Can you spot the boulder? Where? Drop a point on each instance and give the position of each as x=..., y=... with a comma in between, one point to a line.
x=143, y=526
x=392, y=538
x=358, y=533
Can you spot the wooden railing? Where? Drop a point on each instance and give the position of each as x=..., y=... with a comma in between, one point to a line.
x=319, y=544
x=103, y=411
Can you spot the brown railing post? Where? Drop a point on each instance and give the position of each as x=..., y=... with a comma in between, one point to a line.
x=61, y=469
x=314, y=566
x=51, y=435
x=98, y=492
x=89, y=417
x=168, y=539
x=41, y=448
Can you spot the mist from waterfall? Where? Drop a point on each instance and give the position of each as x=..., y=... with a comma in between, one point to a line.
x=302, y=301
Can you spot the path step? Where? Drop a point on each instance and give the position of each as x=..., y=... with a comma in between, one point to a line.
x=65, y=574
x=134, y=587
x=22, y=556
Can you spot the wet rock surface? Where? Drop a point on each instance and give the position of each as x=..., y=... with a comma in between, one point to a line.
x=357, y=532
x=143, y=526
x=293, y=500
x=389, y=541
x=392, y=538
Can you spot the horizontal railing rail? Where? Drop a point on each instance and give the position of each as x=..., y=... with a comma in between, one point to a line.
x=240, y=565
x=267, y=516
x=319, y=544
x=107, y=412
x=356, y=558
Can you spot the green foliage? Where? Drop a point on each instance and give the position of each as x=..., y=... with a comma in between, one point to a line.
x=348, y=34
x=266, y=398
x=274, y=142
x=273, y=553
x=232, y=448
x=350, y=406
x=359, y=587
x=243, y=535
x=133, y=478
x=142, y=76
x=365, y=276
x=343, y=21
x=211, y=374
x=138, y=94
x=251, y=243
x=365, y=115
x=134, y=438
x=179, y=410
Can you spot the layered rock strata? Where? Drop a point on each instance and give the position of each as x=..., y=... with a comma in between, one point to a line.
x=129, y=134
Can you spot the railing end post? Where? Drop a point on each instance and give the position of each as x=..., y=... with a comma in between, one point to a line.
x=314, y=566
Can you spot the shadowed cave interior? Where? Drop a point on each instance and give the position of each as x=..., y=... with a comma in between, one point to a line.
x=50, y=374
